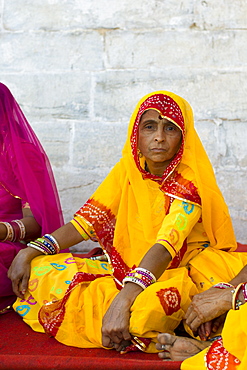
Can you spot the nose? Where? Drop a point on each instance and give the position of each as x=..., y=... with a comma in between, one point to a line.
x=159, y=134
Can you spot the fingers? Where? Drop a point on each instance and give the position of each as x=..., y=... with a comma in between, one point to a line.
x=218, y=322
x=24, y=284
x=106, y=341
x=204, y=330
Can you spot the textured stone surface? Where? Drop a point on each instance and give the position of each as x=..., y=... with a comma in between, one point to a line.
x=78, y=67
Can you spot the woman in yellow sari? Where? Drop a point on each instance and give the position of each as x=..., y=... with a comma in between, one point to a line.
x=164, y=228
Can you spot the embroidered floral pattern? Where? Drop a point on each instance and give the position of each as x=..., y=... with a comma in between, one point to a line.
x=218, y=358
x=170, y=300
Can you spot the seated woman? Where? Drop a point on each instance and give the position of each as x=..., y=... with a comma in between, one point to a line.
x=226, y=352
x=164, y=227
x=28, y=196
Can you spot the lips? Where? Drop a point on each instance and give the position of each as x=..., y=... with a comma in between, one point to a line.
x=158, y=150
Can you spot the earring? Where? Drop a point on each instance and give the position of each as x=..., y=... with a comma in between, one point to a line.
x=139, y=153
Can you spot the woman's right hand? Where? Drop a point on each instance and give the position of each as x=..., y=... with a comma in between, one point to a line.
x=19, y=271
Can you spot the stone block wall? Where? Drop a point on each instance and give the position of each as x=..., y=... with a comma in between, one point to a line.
x=78, y=67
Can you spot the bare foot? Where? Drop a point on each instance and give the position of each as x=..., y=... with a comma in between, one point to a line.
x=178, y=348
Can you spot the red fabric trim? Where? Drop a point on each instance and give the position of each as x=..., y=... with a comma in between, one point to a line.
x=179, y=256
x=52, y=315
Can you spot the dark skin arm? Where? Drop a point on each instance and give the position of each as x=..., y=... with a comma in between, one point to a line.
x=115, y=326
x=19, y=271
x=32, y=227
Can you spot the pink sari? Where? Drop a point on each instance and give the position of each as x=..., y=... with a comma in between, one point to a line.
x=25, y=176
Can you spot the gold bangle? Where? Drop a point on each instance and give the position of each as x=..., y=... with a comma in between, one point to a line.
x=234, y=295
x=10, y=232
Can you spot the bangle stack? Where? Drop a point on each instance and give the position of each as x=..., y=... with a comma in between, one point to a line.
x=236, y=302
x=47, y=244
x=15, y=230
x=141, y=277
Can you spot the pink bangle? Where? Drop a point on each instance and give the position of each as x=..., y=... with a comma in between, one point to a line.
x=222, y=285
x=244, y=288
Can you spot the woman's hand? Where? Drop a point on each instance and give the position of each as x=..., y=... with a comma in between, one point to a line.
x=209, y=328
x=115, y=325
x=208, y=305
x=19, y=271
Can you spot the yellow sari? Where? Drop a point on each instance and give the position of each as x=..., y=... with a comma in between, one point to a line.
x=129, y=212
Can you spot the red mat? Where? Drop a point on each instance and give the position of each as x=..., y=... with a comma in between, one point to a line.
x=22, y=349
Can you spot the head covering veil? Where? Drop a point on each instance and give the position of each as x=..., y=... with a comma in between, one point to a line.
x=25, y=171
x=189, y=177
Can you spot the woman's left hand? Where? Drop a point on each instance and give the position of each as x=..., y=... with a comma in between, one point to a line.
x=115, y=325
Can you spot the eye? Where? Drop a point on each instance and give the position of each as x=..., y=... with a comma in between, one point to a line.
x=149, y=126
x=170, y=128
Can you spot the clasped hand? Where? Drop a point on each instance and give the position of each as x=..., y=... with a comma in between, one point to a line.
x=204, y=308
x=115, y=326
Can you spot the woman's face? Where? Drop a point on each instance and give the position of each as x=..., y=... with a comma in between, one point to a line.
x=158, y=140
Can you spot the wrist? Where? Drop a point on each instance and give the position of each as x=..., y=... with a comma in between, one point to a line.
x=129, y=293
x=226, y=298
x=31, y=253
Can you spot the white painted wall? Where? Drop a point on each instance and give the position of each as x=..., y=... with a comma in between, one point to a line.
x=78, y=67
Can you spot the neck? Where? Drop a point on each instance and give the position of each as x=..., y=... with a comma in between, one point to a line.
x=156, y=169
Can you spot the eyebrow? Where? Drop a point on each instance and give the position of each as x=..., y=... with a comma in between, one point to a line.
x=153, y=120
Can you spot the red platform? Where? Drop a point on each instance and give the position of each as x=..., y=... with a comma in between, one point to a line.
x=22, y=349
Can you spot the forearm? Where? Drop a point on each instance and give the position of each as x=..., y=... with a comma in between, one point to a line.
x=241, y=277
x=67, y=236
x=156, y=260
x=32, y=229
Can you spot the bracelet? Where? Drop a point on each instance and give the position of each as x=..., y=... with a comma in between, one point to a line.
x=10, y=232
x=53, y=241
x=141, y=277
x=17, y=231
x=22, y=229
x=223, y=285
x=37, y=247
x=44, y=246
x=236, y=303
x=245, y=291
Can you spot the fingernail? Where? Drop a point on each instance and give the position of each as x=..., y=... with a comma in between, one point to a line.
x=163, y=346
x=23, y=291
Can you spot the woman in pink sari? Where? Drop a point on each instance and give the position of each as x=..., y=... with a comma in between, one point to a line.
x=29, y=202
